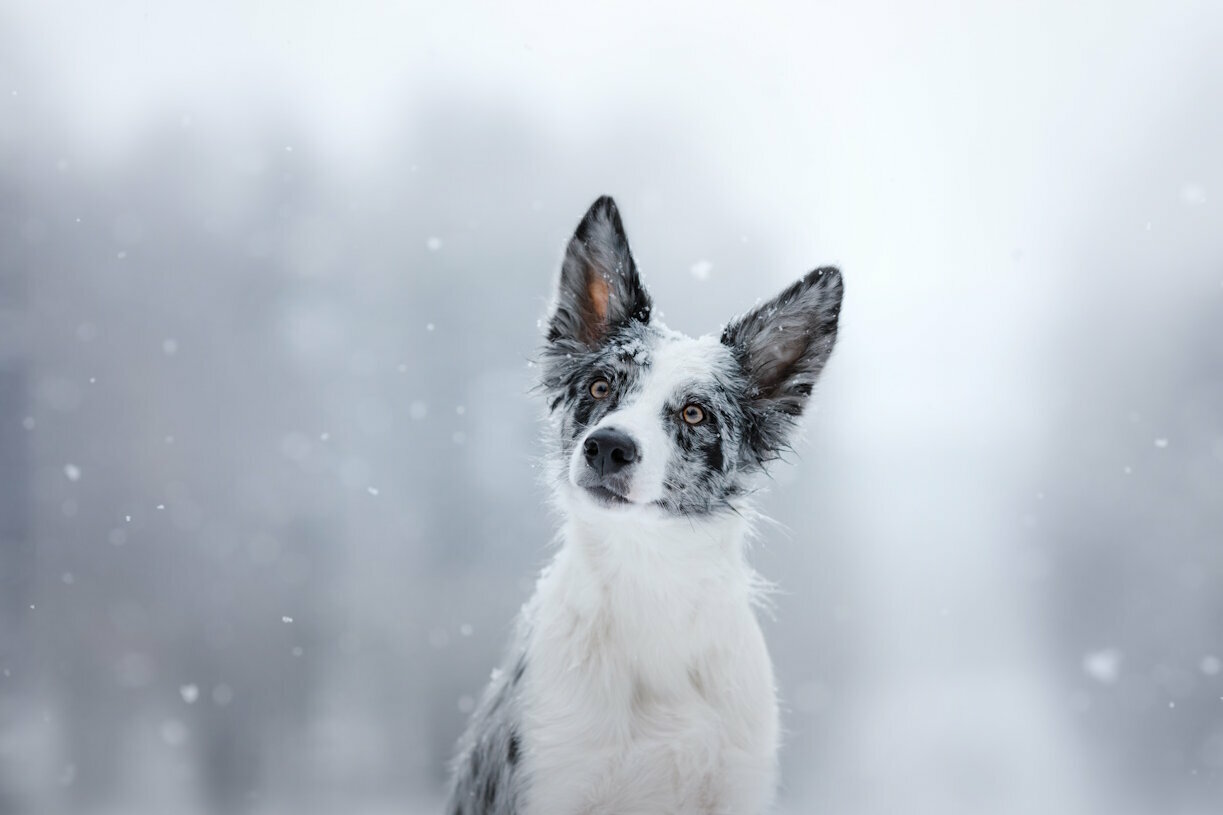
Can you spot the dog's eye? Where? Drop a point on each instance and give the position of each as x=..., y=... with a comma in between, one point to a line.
x=600, y=389
x=693, y=414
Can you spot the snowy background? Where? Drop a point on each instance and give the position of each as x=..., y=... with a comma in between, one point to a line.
x=269, y=283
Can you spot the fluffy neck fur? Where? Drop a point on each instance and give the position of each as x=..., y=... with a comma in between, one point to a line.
x=649, y=688
x=659, y=592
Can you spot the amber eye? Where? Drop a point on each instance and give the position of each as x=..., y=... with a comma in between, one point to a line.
x=600, y=389
x=693, y=414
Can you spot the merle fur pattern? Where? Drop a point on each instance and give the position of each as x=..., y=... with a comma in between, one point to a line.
x=756, y=383
x=487, y=780
x=751, y=398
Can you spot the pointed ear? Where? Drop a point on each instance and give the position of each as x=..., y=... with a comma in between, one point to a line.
x=782, y=345
x=599, y=287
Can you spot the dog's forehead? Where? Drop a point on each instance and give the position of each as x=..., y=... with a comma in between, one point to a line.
x=670, y=360
x=678, y=357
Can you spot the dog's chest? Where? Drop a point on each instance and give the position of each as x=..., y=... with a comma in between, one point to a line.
x=666, y=756
x=645, y=701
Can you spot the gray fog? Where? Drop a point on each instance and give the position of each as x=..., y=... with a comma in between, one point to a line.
x=270, y=283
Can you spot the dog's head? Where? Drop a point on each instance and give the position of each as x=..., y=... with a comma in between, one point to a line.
x=644, y=416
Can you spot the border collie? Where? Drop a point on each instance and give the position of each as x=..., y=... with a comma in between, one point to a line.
x=638, y=681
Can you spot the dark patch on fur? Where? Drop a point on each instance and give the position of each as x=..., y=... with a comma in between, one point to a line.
x=713, y=456
x=511, y=753
x=485, y=778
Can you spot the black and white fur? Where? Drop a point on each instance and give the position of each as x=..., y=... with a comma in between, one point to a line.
x=638, y=681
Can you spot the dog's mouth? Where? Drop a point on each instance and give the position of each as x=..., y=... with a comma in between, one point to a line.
x=606, y=497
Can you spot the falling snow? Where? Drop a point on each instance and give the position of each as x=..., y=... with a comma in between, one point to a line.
x=1193, y=194
x=1104, y=666
x=296, y=308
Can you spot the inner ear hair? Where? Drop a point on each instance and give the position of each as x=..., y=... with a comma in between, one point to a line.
x=598, y=292
x=784, y=343
x=599, y=288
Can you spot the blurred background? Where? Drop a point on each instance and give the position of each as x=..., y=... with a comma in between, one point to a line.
x=270, y=277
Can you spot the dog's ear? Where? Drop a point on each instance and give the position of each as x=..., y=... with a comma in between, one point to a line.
x=599, y=287
x=782, y=346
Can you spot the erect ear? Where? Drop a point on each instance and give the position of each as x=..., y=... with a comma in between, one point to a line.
x=782, y=345
x=599, y=288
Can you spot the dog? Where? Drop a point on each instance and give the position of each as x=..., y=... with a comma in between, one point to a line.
x=638, y=681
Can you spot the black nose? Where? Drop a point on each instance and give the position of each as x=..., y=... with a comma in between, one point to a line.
x=609, y=451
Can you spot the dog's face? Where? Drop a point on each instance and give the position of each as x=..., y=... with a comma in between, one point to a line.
x=644, y=416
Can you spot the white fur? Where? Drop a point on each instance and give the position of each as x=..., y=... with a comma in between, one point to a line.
x=648, y=688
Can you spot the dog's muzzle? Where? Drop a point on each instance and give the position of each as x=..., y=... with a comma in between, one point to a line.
x=610, y=455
